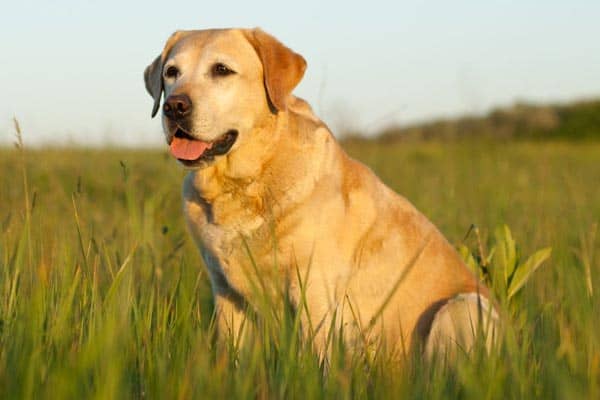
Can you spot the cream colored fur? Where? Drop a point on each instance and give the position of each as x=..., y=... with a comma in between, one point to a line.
x=288, y=194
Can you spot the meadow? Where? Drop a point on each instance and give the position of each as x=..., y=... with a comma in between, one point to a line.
x=103, y=294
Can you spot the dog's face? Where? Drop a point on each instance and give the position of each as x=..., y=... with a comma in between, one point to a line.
x=218, y=86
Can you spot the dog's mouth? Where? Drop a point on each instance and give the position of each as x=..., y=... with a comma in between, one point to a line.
x=191, y=151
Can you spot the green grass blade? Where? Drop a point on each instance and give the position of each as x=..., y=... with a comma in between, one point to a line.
x=523, y=271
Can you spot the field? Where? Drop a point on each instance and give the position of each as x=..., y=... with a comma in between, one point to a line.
x=103, y=294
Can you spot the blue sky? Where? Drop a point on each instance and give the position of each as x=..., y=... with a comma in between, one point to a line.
x=71, y=71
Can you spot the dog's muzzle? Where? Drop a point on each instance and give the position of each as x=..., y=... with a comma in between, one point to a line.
x=177, y=107
x=195, y=152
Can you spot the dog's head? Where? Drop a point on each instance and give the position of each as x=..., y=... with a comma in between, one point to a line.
x=219, y=85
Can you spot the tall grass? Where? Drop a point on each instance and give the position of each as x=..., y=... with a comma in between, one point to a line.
x=103, y=294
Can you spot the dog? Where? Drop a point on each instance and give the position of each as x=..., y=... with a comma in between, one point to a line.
x=276, y=206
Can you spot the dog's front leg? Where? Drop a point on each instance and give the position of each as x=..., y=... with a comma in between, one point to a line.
x=230, y=318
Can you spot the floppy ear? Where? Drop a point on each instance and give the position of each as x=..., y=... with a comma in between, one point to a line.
x=283, y=68
x=153, y=72
x=153, y=80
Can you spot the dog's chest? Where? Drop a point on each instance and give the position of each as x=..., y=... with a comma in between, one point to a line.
x=232, y=233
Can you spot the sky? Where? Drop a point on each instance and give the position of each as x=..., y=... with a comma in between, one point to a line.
x=71, y=71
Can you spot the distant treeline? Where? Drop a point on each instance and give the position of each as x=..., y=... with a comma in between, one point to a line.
x=579, y=120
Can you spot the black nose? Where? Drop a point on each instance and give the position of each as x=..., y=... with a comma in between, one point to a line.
x=177, y=106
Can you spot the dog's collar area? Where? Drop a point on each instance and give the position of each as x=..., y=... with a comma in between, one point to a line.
x=219, y=147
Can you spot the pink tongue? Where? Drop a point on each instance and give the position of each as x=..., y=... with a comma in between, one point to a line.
x=186, y=149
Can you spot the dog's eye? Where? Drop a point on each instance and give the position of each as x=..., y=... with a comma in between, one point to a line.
x=172, y=72
x=220, y=69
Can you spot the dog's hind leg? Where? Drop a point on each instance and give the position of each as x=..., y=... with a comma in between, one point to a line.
x=459, y=324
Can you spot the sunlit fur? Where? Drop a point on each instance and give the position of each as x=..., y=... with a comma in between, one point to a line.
x=287, y=211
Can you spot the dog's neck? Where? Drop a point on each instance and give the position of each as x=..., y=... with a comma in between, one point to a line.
x=276, y=151
x=236, y=172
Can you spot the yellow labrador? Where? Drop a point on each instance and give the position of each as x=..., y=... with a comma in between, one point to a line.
x=275, y=204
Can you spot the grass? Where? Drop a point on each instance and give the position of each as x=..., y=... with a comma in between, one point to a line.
x=103, y=294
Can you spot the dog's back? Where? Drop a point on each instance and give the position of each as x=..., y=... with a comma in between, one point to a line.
x=269, y=179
